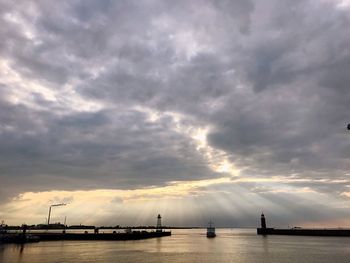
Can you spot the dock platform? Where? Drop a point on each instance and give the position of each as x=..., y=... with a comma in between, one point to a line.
x=47, y=236
x=305, y=232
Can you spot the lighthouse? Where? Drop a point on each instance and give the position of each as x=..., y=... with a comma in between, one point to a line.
x=263, y=221
x=159, y=223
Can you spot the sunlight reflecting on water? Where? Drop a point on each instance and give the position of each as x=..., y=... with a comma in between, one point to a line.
x=230, y=245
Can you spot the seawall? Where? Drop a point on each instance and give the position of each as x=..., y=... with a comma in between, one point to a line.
x=304, y=232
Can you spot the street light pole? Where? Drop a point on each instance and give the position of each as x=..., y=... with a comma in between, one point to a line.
x=48, y=219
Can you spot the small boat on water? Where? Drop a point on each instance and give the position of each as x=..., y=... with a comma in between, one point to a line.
x=211, y=230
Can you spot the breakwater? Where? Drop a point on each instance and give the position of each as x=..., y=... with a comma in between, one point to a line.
x=304, y=232
x=134, y=235
x=47, y=236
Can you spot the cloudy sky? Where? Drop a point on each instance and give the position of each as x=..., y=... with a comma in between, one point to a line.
x=196, y=110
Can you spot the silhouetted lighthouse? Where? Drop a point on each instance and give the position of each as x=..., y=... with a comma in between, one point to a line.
x=159, y=223
x=263, y=221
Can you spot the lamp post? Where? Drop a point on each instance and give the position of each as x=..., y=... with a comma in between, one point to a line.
x=48, y=218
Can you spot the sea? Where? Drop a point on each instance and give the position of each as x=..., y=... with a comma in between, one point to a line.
x=186, y=245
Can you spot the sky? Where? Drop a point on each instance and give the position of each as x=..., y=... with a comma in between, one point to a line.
x=198, y=110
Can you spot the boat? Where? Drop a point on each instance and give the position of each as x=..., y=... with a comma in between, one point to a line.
x=211, y=230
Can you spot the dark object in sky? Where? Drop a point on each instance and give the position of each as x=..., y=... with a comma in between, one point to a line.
x=349, y=126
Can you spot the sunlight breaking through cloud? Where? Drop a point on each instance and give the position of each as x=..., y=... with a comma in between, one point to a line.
x=206, y=107
x=216, y=159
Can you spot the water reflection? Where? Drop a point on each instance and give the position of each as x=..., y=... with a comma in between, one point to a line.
x=265, y=245
x=2, y=252
x=159, y=245
x=238, y=245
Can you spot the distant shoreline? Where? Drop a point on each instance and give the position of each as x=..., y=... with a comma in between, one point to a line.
x=82, y=227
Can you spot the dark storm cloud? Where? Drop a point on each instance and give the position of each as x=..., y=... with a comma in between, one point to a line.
x=270, y=80
x=102, y=149
x=294, y=119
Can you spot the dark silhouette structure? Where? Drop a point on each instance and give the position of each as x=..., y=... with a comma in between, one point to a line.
x=211, y=230
x=49, y=216
x=24, y=232
x=263, y=221
x=51, y=236
x=298, y=231
x=159, y=223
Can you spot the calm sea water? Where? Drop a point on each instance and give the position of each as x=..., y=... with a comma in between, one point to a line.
x=230, y=245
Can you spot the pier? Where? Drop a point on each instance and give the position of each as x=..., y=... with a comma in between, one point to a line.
x=47, y=236
x=297, y=231
x=10, y=236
